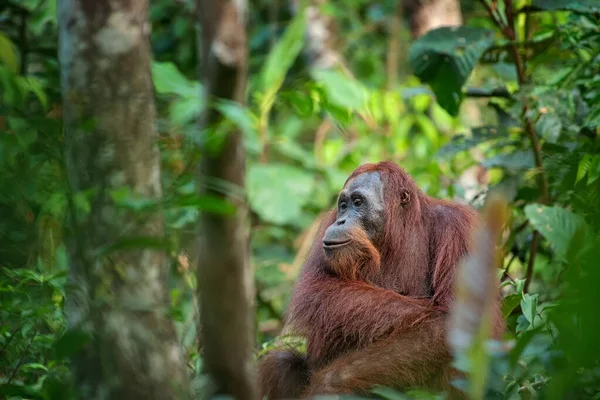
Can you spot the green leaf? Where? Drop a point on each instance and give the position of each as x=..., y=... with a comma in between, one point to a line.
x=34, y=366
x=461, y=143
x=341, y=90
x=594, y=172
x=8, y=54
x=529, y=306
x=584, y=166
x=168, y=80
x=581, y=6
x=556, y=224
x=549, y=126
x=185, y=110
x=241, y=116
x=514, y=161
x=282, y=56
x=34, y=85
x=389, y=393
x=592, y=120
x=209, y=204
x=445, y=57
x=509, y=303
x=277, y=192
x=295, y=152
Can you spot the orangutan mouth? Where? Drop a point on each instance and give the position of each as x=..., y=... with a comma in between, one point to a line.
x=329, y=245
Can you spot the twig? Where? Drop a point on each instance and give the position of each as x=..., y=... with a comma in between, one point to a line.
x=23, y=40
x=509, y=31
x=10, y=339
x=14, y=373
x=534, y=385
x=507, y=268
x=320, y=136
x=393, y=49
x=478, y=93
x=532, y=252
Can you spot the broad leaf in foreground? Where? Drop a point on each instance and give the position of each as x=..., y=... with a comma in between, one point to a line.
x=558, y=225
x=445, y=57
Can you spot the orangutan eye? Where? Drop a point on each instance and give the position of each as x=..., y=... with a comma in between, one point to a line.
x=343, y=206
x=357, y=202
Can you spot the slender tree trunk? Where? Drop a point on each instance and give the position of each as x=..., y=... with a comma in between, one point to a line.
x=225, y=280
x=320, y=45
x=426, y=15
x=117, y=293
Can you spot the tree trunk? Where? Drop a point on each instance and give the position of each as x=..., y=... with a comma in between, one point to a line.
x=426, y=15
x=225, y=280
x=319, y=47
x=117, y=291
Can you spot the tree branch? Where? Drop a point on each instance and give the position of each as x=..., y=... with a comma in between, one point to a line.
x=483, y=93
x=509, y=31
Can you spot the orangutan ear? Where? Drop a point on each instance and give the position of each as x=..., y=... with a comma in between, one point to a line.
x=404, y=197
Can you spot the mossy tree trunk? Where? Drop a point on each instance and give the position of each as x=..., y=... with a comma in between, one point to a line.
x=225, y=280
x=117, y=292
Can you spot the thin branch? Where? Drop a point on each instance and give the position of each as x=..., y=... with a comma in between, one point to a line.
x=532, y=252
x=23, y=45
x=510, y=34
x=393, y=49
x=483, y=93
x=25, y=352
x=492, y=11
x=505, y=273
x=10, y=339
x=534, y=385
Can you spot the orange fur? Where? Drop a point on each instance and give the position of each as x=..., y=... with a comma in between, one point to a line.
x=378, y=315
x=360, y=260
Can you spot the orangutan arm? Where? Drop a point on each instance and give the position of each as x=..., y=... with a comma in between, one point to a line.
x=330, y=311
x=417, y=357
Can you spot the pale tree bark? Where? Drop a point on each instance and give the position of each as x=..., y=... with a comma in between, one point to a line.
x=225, y=278
x=118, y=297
x=426, y=15
x=320, y=44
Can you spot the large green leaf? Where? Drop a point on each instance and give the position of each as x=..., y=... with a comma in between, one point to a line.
x=558, y=225
x=168, y=80
x=185, y=110
x=549, y=126
x=282, y=56
x=8, y=54
x=461, y=143
x=445, y=57
x=582, y=6
x=277, y=192
x=516, y=161
x=529, y=305
x=341, y=90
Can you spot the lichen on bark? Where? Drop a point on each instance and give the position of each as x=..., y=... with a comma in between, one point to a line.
x=119, y=297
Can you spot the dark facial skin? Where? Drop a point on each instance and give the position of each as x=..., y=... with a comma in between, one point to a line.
x=360, y=205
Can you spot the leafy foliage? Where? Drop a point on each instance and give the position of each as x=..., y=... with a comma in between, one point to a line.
x=445, y=57
x=277, y=192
